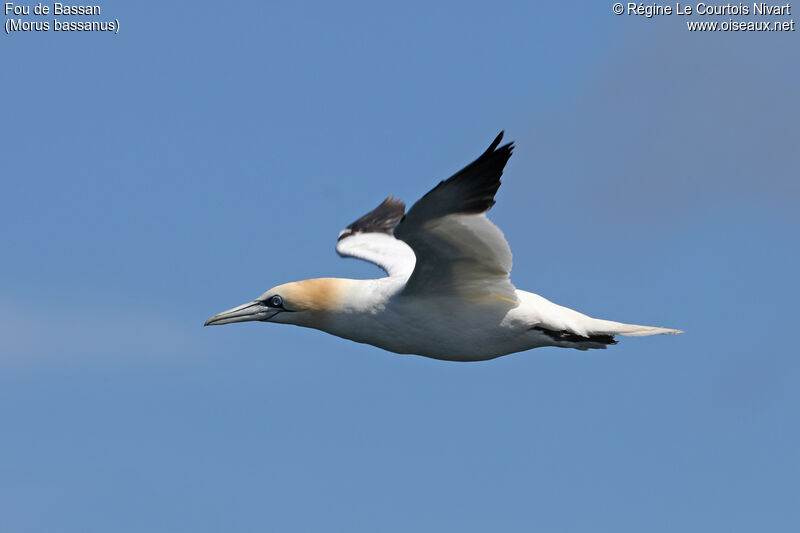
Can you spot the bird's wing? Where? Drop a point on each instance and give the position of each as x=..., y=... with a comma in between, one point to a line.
x=458, y=250
x=370, y=238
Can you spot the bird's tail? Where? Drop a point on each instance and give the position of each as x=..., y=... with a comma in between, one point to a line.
x=569, y=328
x=629, y=330
x=596, y=333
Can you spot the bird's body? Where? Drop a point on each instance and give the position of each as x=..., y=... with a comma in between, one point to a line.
x=447, y=294
x=444, y=327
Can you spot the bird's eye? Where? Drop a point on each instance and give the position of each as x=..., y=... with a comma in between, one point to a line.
x=276, y=301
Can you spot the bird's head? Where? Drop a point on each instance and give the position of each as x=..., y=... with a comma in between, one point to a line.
x=303, y=303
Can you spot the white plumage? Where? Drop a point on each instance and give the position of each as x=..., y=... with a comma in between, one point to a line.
x=447, y=295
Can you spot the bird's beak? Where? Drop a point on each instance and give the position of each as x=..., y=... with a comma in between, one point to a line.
x=244, y=313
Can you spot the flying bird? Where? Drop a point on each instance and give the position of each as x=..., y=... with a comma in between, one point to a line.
x=447, y=293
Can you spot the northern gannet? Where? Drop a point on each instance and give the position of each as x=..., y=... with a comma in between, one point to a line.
x=447, y=294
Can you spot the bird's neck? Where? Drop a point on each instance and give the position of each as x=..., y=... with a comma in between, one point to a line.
x=342, y=295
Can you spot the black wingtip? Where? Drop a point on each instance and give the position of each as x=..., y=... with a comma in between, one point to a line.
x=496, y=142
x=471, y=190
x=382, y=219
x=508, y=148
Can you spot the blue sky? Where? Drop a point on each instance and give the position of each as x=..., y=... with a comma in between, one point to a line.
x=202, y=155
